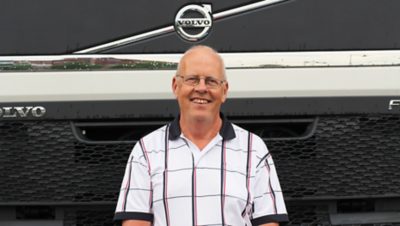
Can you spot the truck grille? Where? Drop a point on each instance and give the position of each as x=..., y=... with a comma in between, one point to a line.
x=347, y=156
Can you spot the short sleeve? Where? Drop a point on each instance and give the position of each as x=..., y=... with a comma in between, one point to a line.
x=268, y=202
x=135, y=196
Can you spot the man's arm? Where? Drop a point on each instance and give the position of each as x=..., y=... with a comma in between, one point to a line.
x=268, y=205
x=135, y=196
x=137, y=223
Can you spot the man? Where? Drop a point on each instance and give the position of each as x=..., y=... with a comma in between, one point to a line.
x=200, y=169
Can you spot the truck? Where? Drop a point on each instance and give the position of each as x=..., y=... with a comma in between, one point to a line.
x=82, y=81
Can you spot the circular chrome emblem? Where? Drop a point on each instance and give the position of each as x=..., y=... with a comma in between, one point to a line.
x=193, y=22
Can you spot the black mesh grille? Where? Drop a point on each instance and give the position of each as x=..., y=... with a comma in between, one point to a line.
x=42, y=161
x=348, y=156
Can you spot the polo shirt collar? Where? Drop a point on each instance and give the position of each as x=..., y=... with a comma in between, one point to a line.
x=226, y=130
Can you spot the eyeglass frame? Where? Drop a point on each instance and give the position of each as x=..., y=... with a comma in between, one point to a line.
x=199, y=78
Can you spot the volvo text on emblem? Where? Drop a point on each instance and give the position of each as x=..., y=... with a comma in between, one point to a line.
x=22, y=112
x=193, y=22
x=393, y=103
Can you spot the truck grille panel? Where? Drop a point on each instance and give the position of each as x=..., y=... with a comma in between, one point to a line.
x=347, y=156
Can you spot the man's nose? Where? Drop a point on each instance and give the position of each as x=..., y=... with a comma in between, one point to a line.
x=202, y=85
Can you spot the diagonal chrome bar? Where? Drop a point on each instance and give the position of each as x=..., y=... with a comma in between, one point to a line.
x=168, y=29
x=128, y=40
x=245, y=8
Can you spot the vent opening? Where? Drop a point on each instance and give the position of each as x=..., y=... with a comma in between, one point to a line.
x=280, y=129
x=355, y=206
x=131, y=132
x=35, y=213
x=114, y=132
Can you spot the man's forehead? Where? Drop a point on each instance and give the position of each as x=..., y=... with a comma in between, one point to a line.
x=201, y=56
x=201, y=59
x=207, y=68
x=201, y=53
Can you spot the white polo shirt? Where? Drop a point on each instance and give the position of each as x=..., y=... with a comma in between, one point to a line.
x=170, y=182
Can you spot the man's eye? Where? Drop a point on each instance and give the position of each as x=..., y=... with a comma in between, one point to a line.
x=212, y=82
x=192, y=80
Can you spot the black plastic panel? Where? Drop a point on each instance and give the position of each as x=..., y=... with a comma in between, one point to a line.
x=65, y=26
x=299, y=25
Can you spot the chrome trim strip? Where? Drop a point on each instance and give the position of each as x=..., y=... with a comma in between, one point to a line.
x=168, y=29
x=126, y=41
x=241, y=9
x=169, y=61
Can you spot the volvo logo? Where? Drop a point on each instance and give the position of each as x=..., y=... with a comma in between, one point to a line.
x=22, y=112
x=193, y=22
x=393, y=103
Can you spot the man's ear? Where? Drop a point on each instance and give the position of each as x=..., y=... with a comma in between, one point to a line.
x=174, y=85
x=225, y=90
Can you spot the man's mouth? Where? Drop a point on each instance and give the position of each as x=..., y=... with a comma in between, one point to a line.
x=200, y=101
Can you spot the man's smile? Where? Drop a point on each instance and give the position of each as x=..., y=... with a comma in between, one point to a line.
x=200, y=100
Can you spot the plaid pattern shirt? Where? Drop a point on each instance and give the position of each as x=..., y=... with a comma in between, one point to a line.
x=170, y=182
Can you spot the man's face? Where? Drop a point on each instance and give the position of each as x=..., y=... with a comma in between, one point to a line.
x=200, y=102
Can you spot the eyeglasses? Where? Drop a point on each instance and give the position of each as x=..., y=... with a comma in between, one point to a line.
x=194, y=80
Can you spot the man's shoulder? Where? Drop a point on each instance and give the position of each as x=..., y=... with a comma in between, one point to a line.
x=244, y=134
x=239, y=131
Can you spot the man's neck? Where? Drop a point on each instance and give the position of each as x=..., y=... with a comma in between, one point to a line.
x=200, y=132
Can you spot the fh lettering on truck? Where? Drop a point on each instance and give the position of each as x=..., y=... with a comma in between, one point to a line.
x=394, y=104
